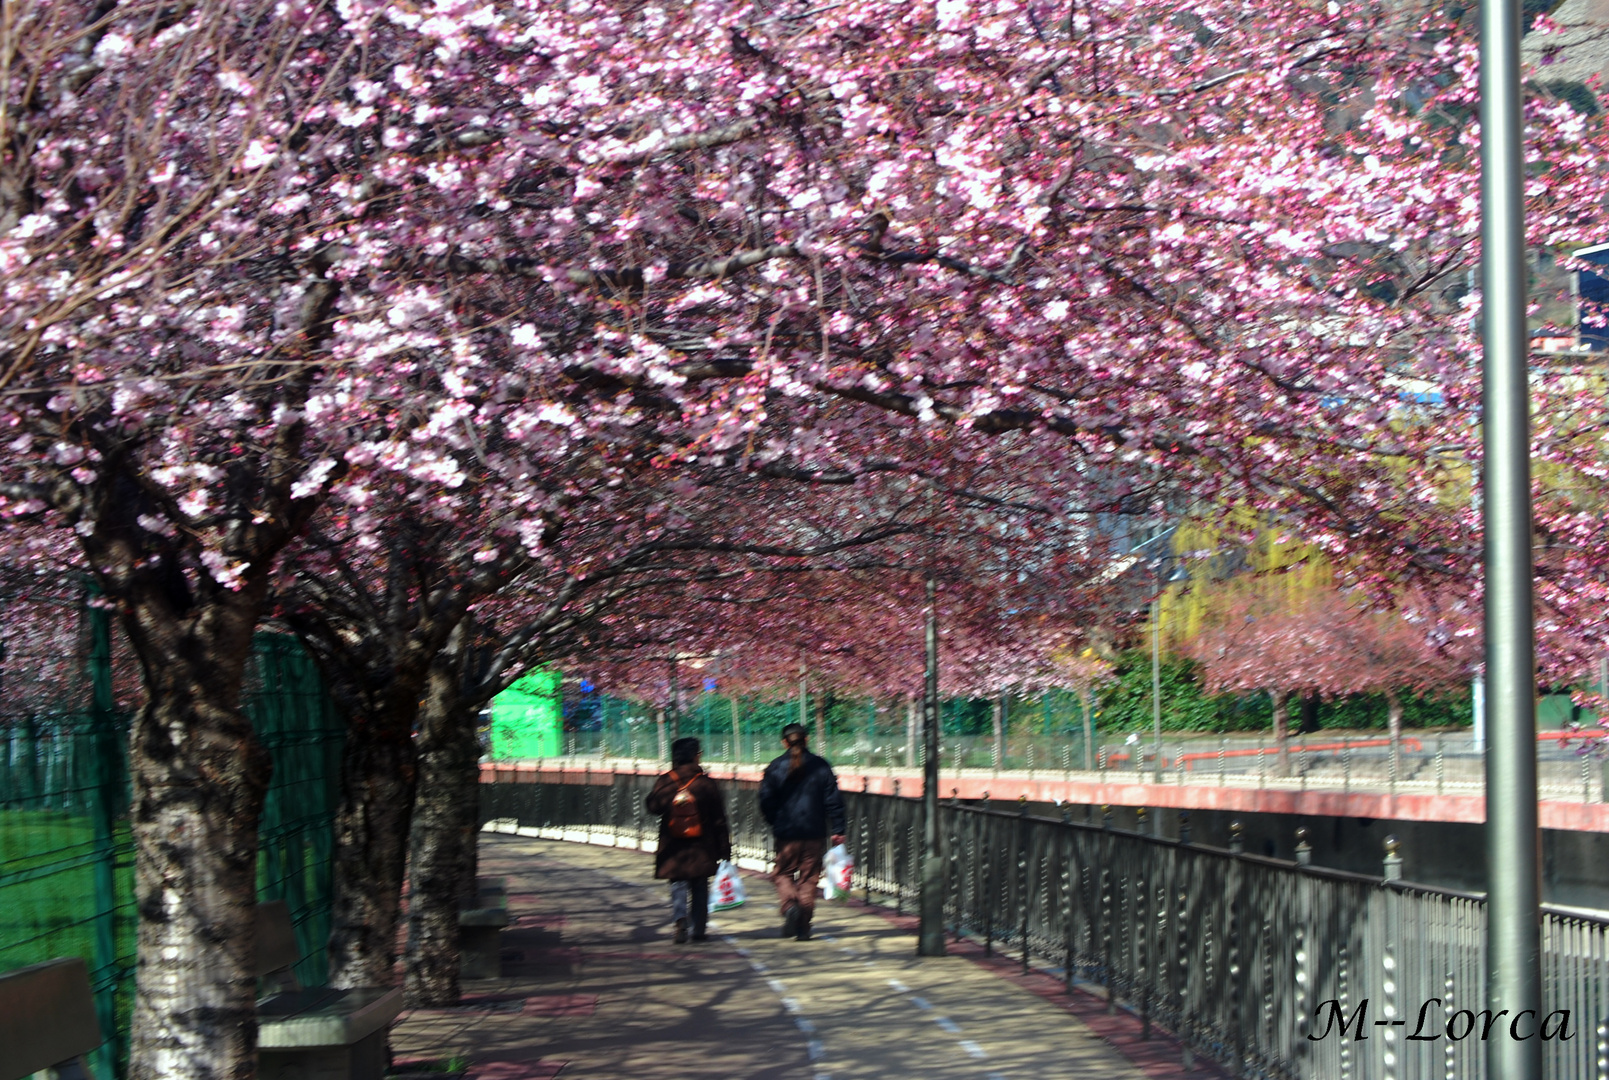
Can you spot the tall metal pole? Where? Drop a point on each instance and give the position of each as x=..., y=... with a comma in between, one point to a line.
x=930, y=935
x=804, y=699
x=1513, y=934
x=1156, y=684
x=675, y=709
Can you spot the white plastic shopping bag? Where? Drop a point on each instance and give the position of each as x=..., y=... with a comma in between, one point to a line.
x=840, y=868
x=727, y=891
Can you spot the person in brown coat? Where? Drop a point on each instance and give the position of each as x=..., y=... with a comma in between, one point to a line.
x=693, y=837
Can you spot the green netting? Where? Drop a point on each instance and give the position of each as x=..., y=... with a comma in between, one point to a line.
x=528, y=718
x=296, y=720
x=67, y=694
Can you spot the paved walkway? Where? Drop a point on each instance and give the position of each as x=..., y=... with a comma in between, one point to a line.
x=593, y=987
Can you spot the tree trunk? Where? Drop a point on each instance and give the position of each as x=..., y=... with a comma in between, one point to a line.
x=1282, y=732
x=659, y=723
x=442, y=834
x=199, y=777
x=1310, y=707
x=379, y=769
x=737, y=734
x=821, y=724
x=469, y=862
x=1394, y=726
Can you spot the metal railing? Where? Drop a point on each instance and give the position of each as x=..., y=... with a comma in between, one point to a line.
x=1425, y=763
x=1237, y=955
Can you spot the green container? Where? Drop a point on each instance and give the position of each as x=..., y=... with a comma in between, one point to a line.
x=528, y=719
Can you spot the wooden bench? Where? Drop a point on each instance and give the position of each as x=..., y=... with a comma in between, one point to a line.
x=319, y=1033
x=47, y=1021
x=480, y=930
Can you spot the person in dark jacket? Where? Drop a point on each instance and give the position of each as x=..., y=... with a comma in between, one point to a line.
x=693, y=837
x=800, y=800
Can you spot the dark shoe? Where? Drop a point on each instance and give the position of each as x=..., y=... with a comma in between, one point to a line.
x=700, y=930
x=699, y=935
x=681, y=932
x=790, y=921
x=803, y=933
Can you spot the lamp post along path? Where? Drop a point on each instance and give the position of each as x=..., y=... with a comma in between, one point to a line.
x=930, y=935
x=1156, y=686
x=1513, y=936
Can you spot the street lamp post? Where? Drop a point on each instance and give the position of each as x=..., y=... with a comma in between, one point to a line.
x=674, y=709
x=1156, y=686
x=930, y=935
x=1156, y=664
x=1513, y=934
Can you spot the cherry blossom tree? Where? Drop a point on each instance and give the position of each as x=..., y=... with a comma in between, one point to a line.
x=381, y=628
x=1334, y=644
x=260, y=255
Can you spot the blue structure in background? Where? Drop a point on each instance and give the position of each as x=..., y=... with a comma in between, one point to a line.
x=1593, y=289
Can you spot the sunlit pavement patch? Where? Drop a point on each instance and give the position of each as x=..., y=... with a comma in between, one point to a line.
x=561, y=1005
x=516, y=1070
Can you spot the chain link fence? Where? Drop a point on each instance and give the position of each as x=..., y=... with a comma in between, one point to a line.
x=69, y=690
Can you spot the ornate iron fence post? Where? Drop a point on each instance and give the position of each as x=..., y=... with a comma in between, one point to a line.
x=1389, y=986
x=868, y=836
x=1069, y=958
x=1022, y=871
x=1140, y=979
x=954, y=882
x=1181, y=972
x=1106, y=909
x=1392, y=869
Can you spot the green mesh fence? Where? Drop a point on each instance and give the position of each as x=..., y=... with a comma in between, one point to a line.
x=296, y=720
x=68, y=690
x=526, y=719
x=1043, y=730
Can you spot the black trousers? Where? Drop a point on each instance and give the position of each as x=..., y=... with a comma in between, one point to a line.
x=690, y=900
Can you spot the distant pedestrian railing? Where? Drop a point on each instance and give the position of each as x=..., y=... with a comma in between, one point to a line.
x=1439, y=763
x=1270, y=968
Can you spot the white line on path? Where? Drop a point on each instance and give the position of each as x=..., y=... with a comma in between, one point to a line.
x=921, y=1003
x=899, y=987
x=946, y=1025
x=777, y=986
x=973, y=1049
